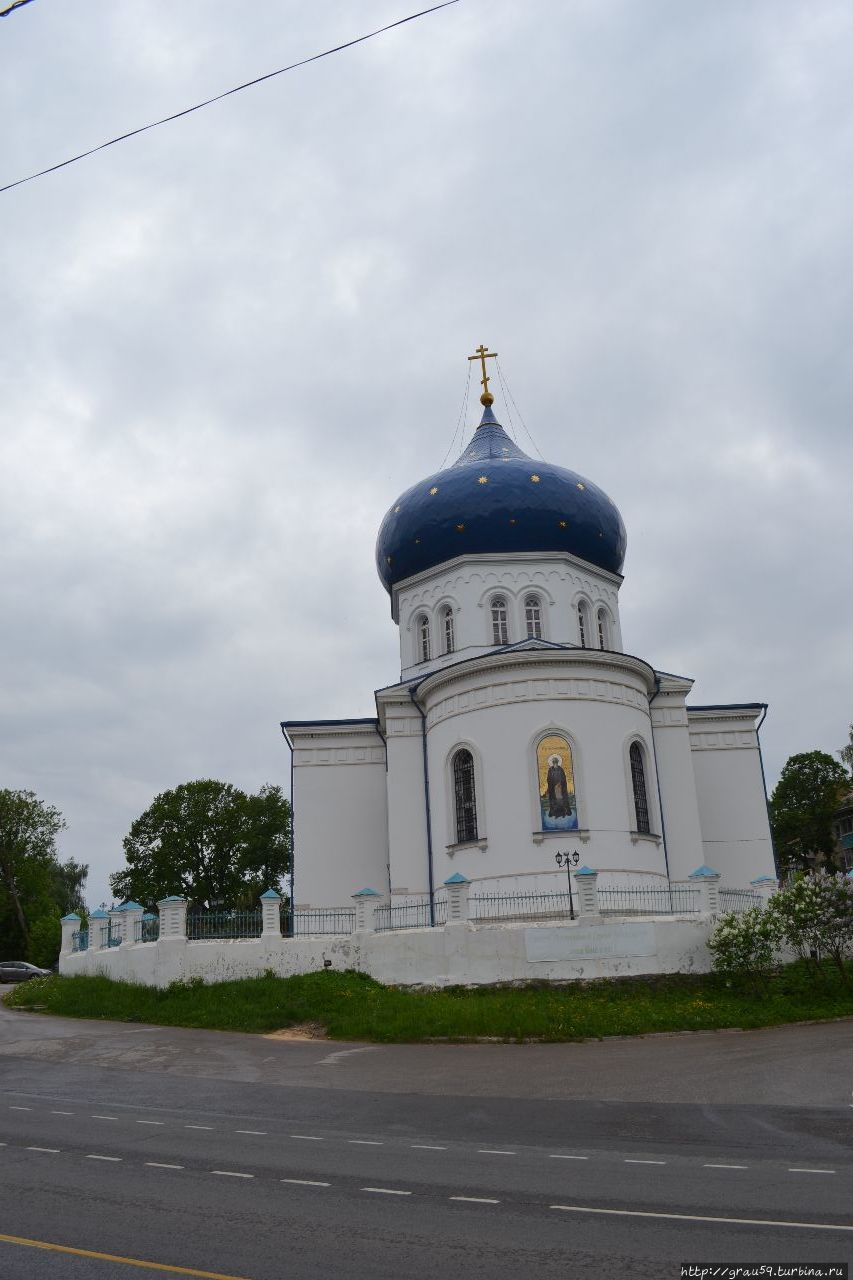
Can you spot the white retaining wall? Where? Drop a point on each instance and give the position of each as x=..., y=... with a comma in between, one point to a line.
x=464, y=953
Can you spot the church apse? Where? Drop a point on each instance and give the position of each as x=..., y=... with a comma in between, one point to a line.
x=557, y=803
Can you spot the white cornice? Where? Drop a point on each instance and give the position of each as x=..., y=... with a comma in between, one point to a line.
x=600, y=660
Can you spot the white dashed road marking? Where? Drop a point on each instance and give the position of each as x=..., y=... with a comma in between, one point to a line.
x=489, y=1151
x=568, y=1157
x=425, y=1146
x=52, y=1151
x=20, y=1108
x=112, y=1159
x=104, y=1117
x=62, y=1113
x=629, y=1160
x=306, y=1137
x=304, y=1182
x=151, y=1122
x=474, y=1199
x=364, y=1142
x=725, y=1166
x=811, y=1171
x=199, y=1126
x=386, y=1191
x=699, y=1217
x=229, y=1173
x=259, y=1133
x=156, y=1164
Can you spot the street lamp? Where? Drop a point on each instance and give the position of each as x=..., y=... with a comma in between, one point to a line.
x=568, y=860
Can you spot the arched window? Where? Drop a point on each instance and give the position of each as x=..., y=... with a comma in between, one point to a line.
x=582, y=624
x=465, y=799
x=603, y=637
x=533, y=617
x=500, y=630
x=423, y=638
x=638, y=784
x=447, y=623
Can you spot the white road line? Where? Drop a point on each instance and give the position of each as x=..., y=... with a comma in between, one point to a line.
x=386, y=1191
x=364, y=1142
x=229, y=1173
x=52, y=1151
x=425, y=1146
x=112, y=1159
x=474, y=1199
x=490, y=1151
x=156, y=1164
x=304, y=1182
x=811, y=1171
x=259, y=1133
x=199, y=1126
x=306, y=1137
x=552, y=1157
x=103, y=1117
x=62, y=1113
x=20, y=1108
x=700, y=1217
x=151, y=1122
x=725, y=1166
x=628, y=1160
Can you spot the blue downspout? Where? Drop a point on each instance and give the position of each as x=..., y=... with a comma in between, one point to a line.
x=657, y=781
x=292, y=821
x=426, y=804
x=764, y=784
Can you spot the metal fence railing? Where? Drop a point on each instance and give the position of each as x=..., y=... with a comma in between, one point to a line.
x=80, y=940
x=520, y=906
x=147, y=929
x=648, y=900
x=302, y=924
x=739, y=899
x=410, y=915
x=204, y=925
x=111, y=934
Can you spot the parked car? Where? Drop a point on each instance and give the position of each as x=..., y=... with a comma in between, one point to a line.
x=20, y=971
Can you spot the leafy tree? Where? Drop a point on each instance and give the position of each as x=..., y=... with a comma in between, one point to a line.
x=208, y=841
x=28, y=864
x=801, y=808
x=846, y=753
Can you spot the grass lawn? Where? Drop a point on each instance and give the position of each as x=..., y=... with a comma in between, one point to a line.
x=351, y=1006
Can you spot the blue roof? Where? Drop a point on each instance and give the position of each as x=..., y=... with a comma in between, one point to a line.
x=495, y=499
x=457, y=878
x=703, y=871
x=271, y=893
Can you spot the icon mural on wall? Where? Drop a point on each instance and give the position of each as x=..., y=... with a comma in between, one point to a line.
x=556, y=784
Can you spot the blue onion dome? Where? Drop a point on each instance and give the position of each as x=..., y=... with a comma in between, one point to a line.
x=496, y=500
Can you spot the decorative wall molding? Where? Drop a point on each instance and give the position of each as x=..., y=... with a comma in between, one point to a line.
x=496, y=693
x=725, y=740
x=337, y=756
x=669, y=717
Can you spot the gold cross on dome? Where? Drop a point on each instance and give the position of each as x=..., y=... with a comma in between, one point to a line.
x=483, y=354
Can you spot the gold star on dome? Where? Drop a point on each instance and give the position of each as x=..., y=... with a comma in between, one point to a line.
x=535, y=479
x=433, y=491
x=581, y=486
x=483, y=480
x=460, y=528
x=396, y=510
x=513, y=521
x=562, y=524
x=388, y=558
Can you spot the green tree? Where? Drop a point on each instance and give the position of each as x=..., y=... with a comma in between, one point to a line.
x=28, y=864
x=846, y=753
x=801, y=808
x=208, y=841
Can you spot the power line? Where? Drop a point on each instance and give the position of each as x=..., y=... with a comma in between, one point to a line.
x=4, y=13
x=228, y=92
x=460, y=421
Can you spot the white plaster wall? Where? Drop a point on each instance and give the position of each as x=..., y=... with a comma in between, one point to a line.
x=499, y=711
x=465, y=953
x=468, y=583
x=677, y=782
x=732, y=806
x=340, y=815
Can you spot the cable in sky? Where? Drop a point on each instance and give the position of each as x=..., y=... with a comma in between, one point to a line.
x=303, y=62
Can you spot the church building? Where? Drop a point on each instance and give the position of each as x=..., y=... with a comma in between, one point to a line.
x=519, y=733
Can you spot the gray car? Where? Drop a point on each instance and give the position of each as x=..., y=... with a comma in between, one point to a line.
x=20, y=971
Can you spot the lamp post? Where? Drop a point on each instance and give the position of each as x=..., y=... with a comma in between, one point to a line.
x=568, y=860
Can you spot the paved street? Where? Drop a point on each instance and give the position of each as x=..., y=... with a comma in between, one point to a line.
x=260, y=1158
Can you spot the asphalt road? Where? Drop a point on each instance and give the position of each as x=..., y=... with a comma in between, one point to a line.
x=263, y=1159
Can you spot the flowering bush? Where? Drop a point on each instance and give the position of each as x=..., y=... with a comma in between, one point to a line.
x=814, y=915
x=744, y=943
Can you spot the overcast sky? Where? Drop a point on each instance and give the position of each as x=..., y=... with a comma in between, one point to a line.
x=230, y=343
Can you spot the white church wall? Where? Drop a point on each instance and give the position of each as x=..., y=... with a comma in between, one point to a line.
x=730, y=791
x=467, y=584
x=677, y=783
x=340, y=813
x=465, y=953
x=405, y=789
x=501, y=712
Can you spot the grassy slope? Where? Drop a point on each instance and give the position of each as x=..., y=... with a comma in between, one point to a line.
x=352, y=1006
